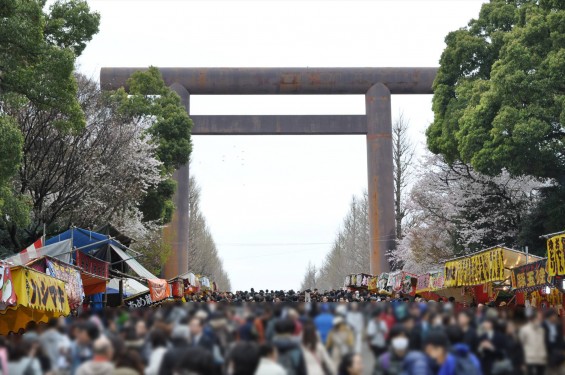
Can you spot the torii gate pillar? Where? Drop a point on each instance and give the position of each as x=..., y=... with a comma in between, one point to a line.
x=380, y=175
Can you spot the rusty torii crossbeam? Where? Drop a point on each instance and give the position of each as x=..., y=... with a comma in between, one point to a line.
x=377, y=84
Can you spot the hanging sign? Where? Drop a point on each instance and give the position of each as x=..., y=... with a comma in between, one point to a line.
x=436, y=281
x=423, y=284
x=531, y=276
x=8, y=296
x=40, y=291
x=372, y=285
x=556, y=255
x=382, y=281
x=71, y=277
x=158, y=289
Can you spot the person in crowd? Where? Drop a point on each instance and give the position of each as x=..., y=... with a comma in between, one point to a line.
x=355, y=319
x=444, y=362
x=101, y=362
x=514, y=351
x=268, y=363
x=318, y=361
x=197, y=361
x=351, y=364
x=23, y=359
x=290, y=354
x=491, y=347
x=197, y=336
x=243, y=359
x=51, y=341
x=465, y=322
x=377, y=331
x=554, y=342
x=158, y=339
x=532, y=337
x=324, y=321
x=392, y=361
x=129, y=363
x=340, y=341
x=81, y=348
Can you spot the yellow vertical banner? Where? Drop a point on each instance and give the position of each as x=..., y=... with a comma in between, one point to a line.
x=556, y=255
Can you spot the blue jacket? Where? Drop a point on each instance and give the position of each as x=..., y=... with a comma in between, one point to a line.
x=324, y=323
x=416, y=363
x=459, y=350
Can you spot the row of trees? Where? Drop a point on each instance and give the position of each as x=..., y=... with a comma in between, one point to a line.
x=74, y=155
x=203, y=254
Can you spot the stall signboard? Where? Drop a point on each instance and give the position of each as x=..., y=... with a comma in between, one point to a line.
x=395, y=281
x=140, y=300
x=71, y=277
x=372, y=283
x=382, y=281
x=8, y=296
x=556, y=255
x=476, y=269
x=423, y=284
x=40, y=298
x=531, y=276
x=436, y=281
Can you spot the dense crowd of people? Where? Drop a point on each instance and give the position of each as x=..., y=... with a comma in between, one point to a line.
x=308, y=333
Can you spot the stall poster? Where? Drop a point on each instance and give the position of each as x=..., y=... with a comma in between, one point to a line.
x=407, y=286
x=8, y=296
x=531, y=276
x=476, y=269
x=72, y=279
x=382, y=281
x=436, y=281
x=158, y=289
x=556, y=255
x=372, y=283
x=423, y=284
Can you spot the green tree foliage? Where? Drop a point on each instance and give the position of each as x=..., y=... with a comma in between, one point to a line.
x=38, y=50
x=499, y=96
x=150, y=101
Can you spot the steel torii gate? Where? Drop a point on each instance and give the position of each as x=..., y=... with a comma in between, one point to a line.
x=377, y=84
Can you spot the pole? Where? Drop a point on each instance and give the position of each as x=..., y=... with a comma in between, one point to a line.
x=527, y=255
x=380, y=175
x=121, y=292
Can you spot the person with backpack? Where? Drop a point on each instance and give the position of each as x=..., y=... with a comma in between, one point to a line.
x=290, y=353
x=392, y=361
x=457, y=361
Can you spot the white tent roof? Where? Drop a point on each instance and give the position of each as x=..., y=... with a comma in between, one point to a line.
x=133, y=264
x=60, y=250
x=131, y=286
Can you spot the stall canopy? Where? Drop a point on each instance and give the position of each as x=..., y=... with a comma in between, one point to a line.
x=131, y=287
x=58, y=250
x=39, y=298
x=86, y=240
x=133, y=264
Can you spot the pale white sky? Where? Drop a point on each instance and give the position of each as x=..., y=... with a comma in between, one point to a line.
x=275, y=203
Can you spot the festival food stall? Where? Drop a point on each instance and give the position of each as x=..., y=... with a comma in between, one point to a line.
x=30, y=296
x=479, y=277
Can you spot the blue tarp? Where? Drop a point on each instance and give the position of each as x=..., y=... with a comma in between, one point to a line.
x=85, y=239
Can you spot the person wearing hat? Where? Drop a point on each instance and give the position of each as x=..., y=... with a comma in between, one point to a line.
x=341, y=340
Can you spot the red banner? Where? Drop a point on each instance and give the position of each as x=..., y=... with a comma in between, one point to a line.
x=92, y=265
